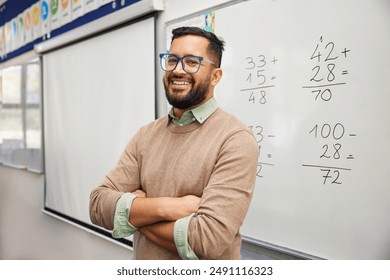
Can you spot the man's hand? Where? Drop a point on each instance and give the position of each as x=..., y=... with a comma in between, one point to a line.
x=180, y=207
x=173, y=208
x=140, y=193
x=146, y=211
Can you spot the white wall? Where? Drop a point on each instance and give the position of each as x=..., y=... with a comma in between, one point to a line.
x=26, y=232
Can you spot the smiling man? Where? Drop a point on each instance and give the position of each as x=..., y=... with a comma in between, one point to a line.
x=184, y=182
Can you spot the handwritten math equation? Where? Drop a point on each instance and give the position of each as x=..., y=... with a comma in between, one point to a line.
x=258, y=83
x=262, y=135
x=327, y=74
x=258, y=78
x=327, y=78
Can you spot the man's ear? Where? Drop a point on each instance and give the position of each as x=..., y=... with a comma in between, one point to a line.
x=216, y=76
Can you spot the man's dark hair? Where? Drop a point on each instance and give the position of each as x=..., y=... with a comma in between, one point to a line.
x=216, y=45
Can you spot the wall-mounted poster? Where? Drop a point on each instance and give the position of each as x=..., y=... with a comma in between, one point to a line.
x=55, y=19
x=36, y=20
x=45, y=17
x=7, y=37
x=28, y=30
x=1, y=45
x=66, y=11
x=77, y=8
x=90, y=5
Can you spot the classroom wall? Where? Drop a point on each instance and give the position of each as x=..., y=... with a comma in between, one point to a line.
x=26, y=232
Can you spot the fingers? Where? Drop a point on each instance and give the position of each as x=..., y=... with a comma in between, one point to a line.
x=140, y=193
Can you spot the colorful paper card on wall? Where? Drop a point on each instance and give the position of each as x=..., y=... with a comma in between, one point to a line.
x=7, y=37
x=55, y=19
x=20, y=38
x=45, y=17
x=14, y=34
x=77, y=8
x=28, y=35
x=90, y=5
x=36, y=20
x=2, y=51
x=66, y=11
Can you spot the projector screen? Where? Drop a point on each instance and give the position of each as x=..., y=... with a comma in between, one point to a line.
x=97, y=94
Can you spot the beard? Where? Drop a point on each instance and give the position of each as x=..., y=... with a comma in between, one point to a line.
x=195, y=96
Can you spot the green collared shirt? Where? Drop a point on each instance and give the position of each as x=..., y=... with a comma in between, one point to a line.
x=199, y=114
x=122, y=227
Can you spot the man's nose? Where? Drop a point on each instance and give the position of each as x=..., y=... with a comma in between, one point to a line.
x=179, y=68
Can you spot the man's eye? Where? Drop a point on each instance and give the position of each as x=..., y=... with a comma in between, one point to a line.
x=172, y=61
x=192, y=62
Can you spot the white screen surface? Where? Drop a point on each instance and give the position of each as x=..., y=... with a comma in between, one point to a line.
x=97, y=94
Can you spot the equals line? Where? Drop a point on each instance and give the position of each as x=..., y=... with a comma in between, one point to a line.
x=350, y=157
x=265, y=163
x=345, y=72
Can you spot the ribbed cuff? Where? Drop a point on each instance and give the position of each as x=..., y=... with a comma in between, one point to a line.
x=122, y=227
x=180, y=235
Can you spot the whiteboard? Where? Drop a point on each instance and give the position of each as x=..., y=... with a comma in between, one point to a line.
x=311, y=79
x=97, y=94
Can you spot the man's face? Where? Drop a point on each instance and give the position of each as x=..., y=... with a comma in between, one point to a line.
x=183, y=90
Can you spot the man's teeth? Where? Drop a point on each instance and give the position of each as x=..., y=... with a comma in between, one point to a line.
x=180, y=83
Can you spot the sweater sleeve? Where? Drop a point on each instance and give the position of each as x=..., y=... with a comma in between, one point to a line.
x=123, y=178
x=226, y=198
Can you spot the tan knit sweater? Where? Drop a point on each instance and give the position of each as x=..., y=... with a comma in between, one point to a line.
x=215, y=160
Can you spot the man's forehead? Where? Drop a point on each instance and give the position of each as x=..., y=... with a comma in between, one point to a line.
x=190, y=42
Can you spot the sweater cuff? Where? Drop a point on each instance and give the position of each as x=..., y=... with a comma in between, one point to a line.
x=180, y=235
x=122, y=227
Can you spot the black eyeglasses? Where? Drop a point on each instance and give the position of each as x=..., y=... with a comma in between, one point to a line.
x=189, y=63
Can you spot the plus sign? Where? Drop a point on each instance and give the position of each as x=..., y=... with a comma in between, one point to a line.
x=274, y=60
x=345, y=52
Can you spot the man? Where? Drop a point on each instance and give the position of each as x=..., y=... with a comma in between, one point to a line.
x=184, y=182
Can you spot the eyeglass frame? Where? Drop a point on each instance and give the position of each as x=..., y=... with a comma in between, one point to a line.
x=180, y=59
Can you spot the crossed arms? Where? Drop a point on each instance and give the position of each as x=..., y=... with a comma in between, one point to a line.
x=155, y=217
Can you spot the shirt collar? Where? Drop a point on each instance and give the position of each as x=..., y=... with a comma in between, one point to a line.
x=200, y=113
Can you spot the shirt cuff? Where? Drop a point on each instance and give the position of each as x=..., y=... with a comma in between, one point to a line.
x=122, y=227
x=180, y=235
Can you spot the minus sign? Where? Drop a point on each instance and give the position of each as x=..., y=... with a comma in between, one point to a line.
x=264, y=163
x=351, y=134
x=270, y=135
